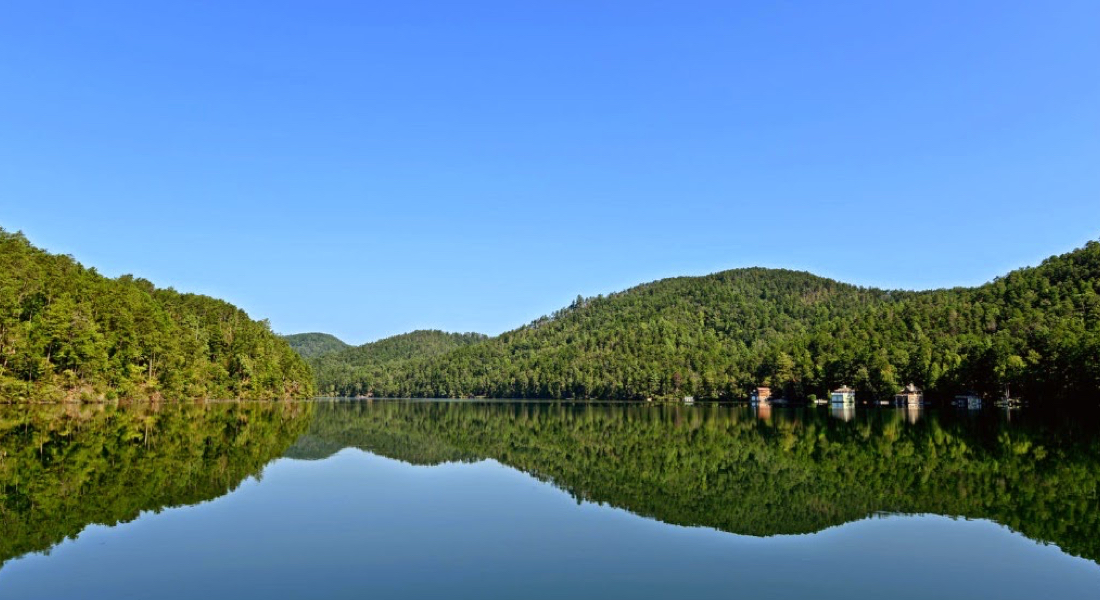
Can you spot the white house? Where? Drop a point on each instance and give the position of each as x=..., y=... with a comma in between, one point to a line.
x=844, y=395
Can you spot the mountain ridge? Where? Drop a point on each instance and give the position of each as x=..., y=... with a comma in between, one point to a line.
x=1035, y=330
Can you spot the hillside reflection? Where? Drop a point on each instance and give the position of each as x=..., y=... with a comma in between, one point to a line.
x=64, y=467
x=737, y=469
x=761, y=473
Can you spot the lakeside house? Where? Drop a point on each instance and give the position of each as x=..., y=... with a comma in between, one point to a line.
x=910, y=395
x=970, y=400
x=843, y=395
x=761, y=394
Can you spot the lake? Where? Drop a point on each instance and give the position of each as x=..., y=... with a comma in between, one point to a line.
x=512, y=499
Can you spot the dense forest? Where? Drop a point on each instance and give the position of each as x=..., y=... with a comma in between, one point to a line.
x=339, y=372
x=65, y=466
x=1034, y=332
x=69, y=333
x=311, y=345
x=755, y=473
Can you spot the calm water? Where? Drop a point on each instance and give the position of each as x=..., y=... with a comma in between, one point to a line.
x=544, y=500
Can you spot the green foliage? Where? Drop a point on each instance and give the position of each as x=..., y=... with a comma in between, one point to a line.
x=729, y=468
x=68, y=333
x=312, y=345
x=341, y=372
x=63, y=467
x=1036, y=330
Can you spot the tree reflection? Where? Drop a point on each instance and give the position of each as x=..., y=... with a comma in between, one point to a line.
x=63, y=467
x=746, y=471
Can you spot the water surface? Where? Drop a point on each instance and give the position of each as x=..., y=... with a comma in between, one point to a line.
x=544, y=500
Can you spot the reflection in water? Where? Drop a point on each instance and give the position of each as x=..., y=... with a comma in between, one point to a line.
x=63, y=467
x=758, y=471
x=844, y=412
x=750, y=470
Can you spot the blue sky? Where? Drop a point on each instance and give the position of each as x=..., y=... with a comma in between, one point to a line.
x=371, y=168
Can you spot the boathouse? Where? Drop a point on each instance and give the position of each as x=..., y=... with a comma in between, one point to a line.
x=909, y=396
x=761, y=394
x=970, y=400
x=843, y=395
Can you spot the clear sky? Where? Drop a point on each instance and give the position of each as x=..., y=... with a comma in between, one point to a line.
x=368, y=168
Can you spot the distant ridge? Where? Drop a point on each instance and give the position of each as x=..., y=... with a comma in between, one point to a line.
x=310, y=345
x=342, y=369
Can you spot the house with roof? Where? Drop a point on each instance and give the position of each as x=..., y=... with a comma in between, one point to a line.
x=843, y=395
x=761, y=394
x=969, y=400
x=910, y=395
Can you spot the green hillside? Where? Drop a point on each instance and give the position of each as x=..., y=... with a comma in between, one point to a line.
x=69, y=333
x=341, y=372
x=1036, y=330
x=311, y=345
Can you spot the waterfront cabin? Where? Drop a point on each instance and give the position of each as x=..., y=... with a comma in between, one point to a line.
x=689, y=399
x=969, y=400
x=843, y=395
x=909, y=396
x=761, y=394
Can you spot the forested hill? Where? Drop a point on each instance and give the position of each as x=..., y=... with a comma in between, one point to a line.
x=310, y=345
x=341, y=372
x=69, y=333
x=1036, y=330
